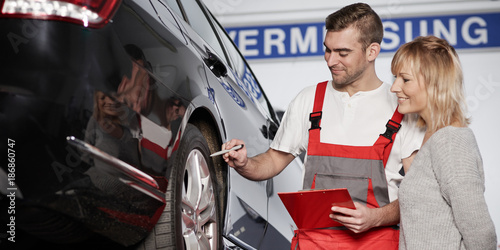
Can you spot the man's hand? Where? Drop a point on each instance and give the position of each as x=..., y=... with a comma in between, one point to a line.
x=259, y=167
x=237, y=158
x=363, y=218
x=357, y=220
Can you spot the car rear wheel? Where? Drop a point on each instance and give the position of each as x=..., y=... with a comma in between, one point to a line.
x=190, y=219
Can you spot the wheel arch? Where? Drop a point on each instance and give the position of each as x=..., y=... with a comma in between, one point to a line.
x=203, y=119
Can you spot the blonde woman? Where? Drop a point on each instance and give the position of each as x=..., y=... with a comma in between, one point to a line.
x=442, y=196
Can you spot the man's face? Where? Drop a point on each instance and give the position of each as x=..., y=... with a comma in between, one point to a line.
x=175, y=111
x=344, y=56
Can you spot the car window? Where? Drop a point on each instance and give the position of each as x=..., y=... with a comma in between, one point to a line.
x=174, y=6
x=248, y=82
x=199, y=22
x=237, y=62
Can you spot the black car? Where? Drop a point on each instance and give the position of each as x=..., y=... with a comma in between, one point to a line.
x=109, y=111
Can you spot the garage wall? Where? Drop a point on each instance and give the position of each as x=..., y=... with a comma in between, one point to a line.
x=282, y=39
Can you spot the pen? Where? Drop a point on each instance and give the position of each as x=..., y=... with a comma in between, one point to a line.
x=227, y=150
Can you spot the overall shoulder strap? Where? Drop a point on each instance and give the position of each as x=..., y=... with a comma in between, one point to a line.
x=315, y=116
x=387, y=138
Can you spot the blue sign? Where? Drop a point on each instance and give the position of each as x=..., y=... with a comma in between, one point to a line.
x=297, y=40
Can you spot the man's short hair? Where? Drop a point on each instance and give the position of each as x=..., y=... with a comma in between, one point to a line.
x=363, y=18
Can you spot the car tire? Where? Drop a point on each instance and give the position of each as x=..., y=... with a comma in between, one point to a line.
x=190, y=219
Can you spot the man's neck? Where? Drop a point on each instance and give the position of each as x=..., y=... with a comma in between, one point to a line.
x=357, y=86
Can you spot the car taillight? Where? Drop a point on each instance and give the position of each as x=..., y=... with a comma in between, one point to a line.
x=89, y=13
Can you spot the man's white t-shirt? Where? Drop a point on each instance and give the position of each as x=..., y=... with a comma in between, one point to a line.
x=355, y=120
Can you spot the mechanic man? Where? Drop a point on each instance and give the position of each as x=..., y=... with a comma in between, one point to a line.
x=348, y=126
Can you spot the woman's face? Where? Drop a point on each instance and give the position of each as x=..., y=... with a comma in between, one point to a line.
x=107, y=105
x=411, y=93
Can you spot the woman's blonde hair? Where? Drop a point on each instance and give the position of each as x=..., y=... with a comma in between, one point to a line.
x=435, y=63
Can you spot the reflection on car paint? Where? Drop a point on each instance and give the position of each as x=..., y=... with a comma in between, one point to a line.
x=130, y=135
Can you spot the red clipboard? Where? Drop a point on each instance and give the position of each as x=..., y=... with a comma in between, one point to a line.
x=311, y=208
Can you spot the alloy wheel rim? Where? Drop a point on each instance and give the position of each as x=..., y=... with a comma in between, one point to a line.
x=199, y=211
